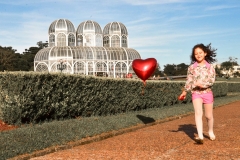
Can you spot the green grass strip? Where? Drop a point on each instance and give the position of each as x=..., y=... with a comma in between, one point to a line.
x=30, y=138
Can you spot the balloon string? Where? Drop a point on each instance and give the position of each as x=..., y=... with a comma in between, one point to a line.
x=144, y=84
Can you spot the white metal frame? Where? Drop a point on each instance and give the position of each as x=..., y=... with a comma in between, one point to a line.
x=92, y=56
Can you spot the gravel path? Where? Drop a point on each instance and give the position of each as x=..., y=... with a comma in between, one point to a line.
x=168, y=140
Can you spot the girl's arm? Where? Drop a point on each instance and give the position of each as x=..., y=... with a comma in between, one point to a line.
x=189, y=82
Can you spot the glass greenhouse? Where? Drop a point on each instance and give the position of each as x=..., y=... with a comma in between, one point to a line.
x=88, y=50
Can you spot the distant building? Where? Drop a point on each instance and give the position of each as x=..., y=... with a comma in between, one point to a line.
x=87, y=50
x=230, y=72
x=236, y=69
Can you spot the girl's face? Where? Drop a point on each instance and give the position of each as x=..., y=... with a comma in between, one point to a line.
x=199, y=55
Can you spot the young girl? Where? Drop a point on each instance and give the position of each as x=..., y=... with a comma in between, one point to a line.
x=200, y=78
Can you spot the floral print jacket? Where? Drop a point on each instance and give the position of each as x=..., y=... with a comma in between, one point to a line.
x=203, y=75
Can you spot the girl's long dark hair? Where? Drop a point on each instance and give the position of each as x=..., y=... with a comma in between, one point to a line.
x=211, y=53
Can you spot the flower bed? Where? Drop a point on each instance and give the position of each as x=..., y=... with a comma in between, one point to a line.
x=5, y=127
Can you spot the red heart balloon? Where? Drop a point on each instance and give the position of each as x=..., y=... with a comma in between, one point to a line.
x=144, y=68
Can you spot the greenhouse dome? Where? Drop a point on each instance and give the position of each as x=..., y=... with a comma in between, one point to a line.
x=89, y=33
x=115, y=34
x=61, y=33
x=68, y=54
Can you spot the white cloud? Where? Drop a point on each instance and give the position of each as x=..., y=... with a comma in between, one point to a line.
x=25, y=35
x=156, y=28
x=153, y=2
x=37, y=2
x=221, y=7
x=181, y=18
x=140, y=20
x=164, y=37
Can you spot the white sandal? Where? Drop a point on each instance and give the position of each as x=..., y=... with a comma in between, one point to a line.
x=213, y=138
x=198, y=140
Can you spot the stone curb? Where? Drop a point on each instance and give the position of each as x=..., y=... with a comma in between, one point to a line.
x=94, y=138
x=100, y=137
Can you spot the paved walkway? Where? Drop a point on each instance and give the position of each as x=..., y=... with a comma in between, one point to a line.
x=168, y=140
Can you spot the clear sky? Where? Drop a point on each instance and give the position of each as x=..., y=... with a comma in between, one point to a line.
x=162, y=29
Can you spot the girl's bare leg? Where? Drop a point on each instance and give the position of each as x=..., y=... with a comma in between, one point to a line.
x=197, y=104
x=209, y=116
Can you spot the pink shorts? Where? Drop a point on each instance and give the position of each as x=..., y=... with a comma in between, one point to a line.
x=207, y=98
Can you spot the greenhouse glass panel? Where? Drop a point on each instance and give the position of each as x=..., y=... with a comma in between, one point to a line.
x=99, y=54
x=82, y=53
x=74, y=52
x=80, y=28
x=52, y=27
x=89, y=53
x=106, y=29
x=42, y=67
x=114, y=54
x=98, y=29
x=121, y=69
x=70, y=26
x=124, y=68
x=61, y=24
x=118, y=70
x=100, y=67
x=99, y=42
x=56, y=68
x=45, y=54
x=111, y=69
x=88, y=26
x=61, y=39
x=79, y=40
x=89, y=40
x=90, y=68
x=123, y=53
x=79, y=68
x=106, y=41
x=115, y=29
x=94, y=51
x=124, y=41
x=52, y=40
x=108, y=50
x=123, y=29
x=71, y=40
x=115, y=41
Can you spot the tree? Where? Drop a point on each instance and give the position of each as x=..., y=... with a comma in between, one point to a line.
x=8, y=58
x=157, y=71
x=42, y=45
x=175, y=70
x=12, y=61
x=229, y=64
x=181, y=69
x=226, y=65
x=233, y=60
x=28, y=57
x=169, y=70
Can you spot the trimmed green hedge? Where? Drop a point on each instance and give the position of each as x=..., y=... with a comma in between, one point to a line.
x=33, y=97
x=233, y=86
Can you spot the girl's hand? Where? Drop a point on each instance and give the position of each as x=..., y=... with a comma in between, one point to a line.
x=182, y=96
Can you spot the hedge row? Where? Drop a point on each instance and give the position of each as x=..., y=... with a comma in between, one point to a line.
x=233, y=86
x=33, y=97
